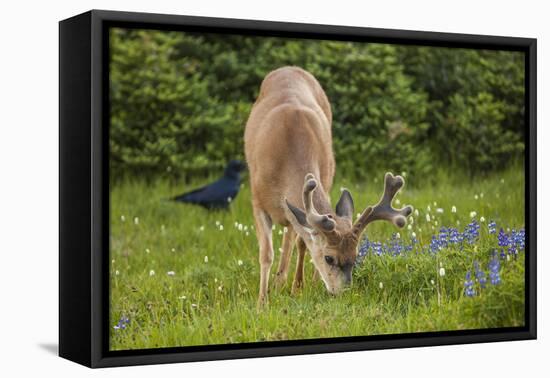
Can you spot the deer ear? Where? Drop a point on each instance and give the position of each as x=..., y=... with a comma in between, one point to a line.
x=299, y=215
x=344, y=207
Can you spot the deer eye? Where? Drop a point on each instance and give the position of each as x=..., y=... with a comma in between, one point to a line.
x=329, y=260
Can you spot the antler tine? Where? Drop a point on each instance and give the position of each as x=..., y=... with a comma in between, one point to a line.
x=383, y=210
x=321, y=222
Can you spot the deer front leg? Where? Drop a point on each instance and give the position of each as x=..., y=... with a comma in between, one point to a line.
x=263, y=232
x=286, y=252
x=299, y=275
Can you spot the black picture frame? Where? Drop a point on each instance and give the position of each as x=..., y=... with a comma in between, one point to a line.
x=84, y=189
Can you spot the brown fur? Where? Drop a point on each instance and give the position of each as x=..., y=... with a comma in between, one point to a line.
x=288, y=147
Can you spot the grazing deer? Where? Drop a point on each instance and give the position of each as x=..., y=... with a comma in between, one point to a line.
x=288, y=146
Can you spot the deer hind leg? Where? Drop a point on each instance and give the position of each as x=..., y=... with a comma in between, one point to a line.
x=299, y=275
x=286, y=252
x=263, y=233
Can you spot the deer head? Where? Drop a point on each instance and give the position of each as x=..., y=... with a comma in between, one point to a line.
x=332, y=239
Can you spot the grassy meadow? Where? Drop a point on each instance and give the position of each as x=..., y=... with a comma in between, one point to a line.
x=181, y=275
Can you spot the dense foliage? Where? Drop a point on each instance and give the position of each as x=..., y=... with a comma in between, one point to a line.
x=179, y=102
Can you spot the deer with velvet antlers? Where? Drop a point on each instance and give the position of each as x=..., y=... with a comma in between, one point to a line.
x=288, y=146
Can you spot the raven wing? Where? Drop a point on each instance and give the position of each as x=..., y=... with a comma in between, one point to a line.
x=214, y=195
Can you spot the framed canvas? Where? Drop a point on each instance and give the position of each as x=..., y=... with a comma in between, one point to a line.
x=234, y=188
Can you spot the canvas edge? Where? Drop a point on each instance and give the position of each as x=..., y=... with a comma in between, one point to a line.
x=96, y=353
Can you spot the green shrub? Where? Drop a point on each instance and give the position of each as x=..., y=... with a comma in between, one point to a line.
x=179, y=102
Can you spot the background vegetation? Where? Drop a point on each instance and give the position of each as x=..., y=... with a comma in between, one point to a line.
x=180, y=102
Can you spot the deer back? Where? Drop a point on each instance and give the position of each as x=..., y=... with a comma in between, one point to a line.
x=288, y=135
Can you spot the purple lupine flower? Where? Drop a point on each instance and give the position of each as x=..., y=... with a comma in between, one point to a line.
x=435, y=245
x=469, y=285
x=494, y=275
x=377, y=248
x=520, y=238
x=503, y=240
x=480, y=275
x=471, y=232
x=454, y=236
x=364, y=248
x=492, y=227
x=395, y=246
x=443, y=237
x=122, y=323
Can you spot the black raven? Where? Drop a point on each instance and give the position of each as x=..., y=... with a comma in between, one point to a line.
x=220, y=193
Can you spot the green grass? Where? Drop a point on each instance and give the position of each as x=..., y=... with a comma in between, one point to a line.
x=213, y=301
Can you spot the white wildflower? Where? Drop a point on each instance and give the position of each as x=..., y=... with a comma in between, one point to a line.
x=482, y=219
x=245, y=228
x=171, y=273
x=429, y=208
x=221, y=227
x=411, y=220
x=205, y=259
x=151, y=273
x=404, y=174
x=122, y=218
x=285, y=230
x=240, y=227
x=432, y=282
x=239, y=262
x=381, y=285
x=441, y=272
x=117, y=272
x=476, y=196
x=147, y=250
x=428, y=218
x=217, y=223
x=473, y=214
x=201, y=228
x=220, y=288
x=416, y=213
x=136, y=220
x=280, y=232
x=413, y=234
x=397, y=235
x=409, y=227
x=453, y=209
x=439, y=210
x=194, y=305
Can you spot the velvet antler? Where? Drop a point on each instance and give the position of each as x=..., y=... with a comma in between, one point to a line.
x=321, y=222
x=383, y=210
